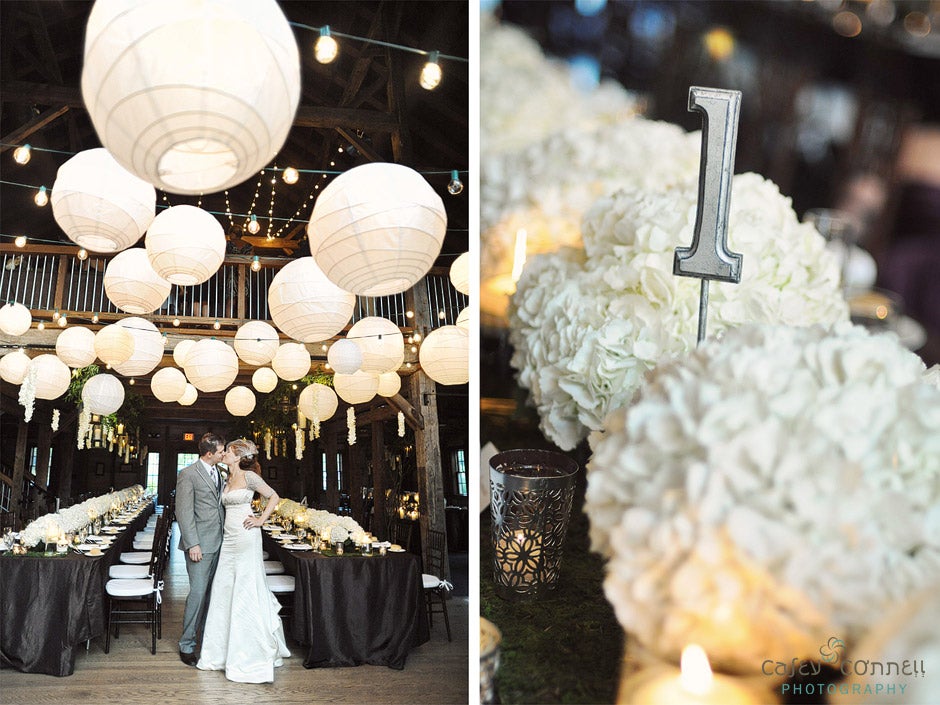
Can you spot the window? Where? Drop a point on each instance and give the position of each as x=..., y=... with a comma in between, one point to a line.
x=184, y=460
x=339, y=471
x=323, y=469
x=153, y=472
x=33, y=459
x=460, y=468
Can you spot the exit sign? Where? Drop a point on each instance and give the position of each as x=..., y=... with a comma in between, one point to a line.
x=189, y=436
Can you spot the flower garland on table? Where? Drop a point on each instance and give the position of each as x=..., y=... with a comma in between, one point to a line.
x=76, y=517
x=767, y=491
x=351, y=426
x=587, y=325
x=55, y=420
x=401, y=424
x=27, y=396
x=320, y=521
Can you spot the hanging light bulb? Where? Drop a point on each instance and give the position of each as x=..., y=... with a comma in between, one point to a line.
x=290, y=175
x=253, y=225
x=41, y=198
x=131, y=381
x=176, y=322
x=456, y=185
x=409, y=314
x=431, y=73
x=20, y=241
x=40, y=326
x=326, y=48
x=216, y=325
x=63, y=321
x=82, y=254
x=417, y=337
x=255, y=264
x=22, y=154
x=94, y=317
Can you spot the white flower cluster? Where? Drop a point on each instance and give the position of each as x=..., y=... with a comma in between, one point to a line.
x=71, y=519
x=317, y=519
x=351, y=426
x=299, y=443
x=767, y=491
x=84, y=425
x=401, y=424
x=27, y=396
x=55, y=420
x=586, y=325
x=268, y=437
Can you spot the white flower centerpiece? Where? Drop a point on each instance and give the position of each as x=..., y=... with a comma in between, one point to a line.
x=587, y=324
x=76, y=517
x=318, y=520
x=768, y=491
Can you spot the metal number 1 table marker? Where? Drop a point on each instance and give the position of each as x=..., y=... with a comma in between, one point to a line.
x=708, y=257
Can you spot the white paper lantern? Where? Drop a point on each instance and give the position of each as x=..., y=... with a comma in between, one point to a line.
x=326, y=401
x=264, y=379
x=114, y=344
x=291, y=361
x=103, y=394
x=131, y=283
x=240, y=401
x=389, y=384
x=445, y=355
x=256, y=342
x=381, y=342
x=99, y=204
x=186, y=245
x=305, y=304
x=463, y=319
x=344, y=356
x=377, y=229
x=194, y=97
x=181, y=350
x=460, y=273
x=357, y=388
x=189, y=396
x=15, y=318
x=75, y=346
x=168, y=384
x=52, y=376
x=148, y=347
x=14, y=366
x=211, y=365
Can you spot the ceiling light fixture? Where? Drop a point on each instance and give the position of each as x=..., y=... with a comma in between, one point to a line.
x=290, y=175
x=326, y=48
x=22, y=154
x=41, y=198
x=431, y=73
x=255, y=264
x=456, y=185
x=253, y=225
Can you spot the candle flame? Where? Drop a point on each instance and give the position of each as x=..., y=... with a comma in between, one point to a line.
x=518, y=260
x=696, y=676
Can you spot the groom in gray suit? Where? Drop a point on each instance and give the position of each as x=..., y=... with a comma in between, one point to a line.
x=200, y=516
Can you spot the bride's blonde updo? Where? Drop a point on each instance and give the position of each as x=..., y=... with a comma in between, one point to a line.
x=246, y=451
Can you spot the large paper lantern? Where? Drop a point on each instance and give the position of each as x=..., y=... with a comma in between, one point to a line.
x=240, y=401
x=168, y=384
x=256, y=342
x=194, y=97
x=463, y=319
x=15, y=318
x=389, y=384
x=52, y=376
x=264, y=379
x=99, y=204
x=103, y=394
x=75, y=346
x=344, y=356
x=114, y=344
x=381, y=342
x=211, y=365
x=181, y=350
x=317, y=401
x=357, y=388
x=305, y=304
x=148, y=347
x=186, y=245
x=131, y=283
x=189, y=396
x=377, y=229
x=445, y=355
x=291, y=361
x=14, y=366
x=460, y=273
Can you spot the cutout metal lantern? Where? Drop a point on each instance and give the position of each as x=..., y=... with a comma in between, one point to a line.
x=357, y=388
x=445, y=355
x=240, y=401
x=15, y=318
x=103, y=394
x=381, y=342
x=168, y=384
x=317, y=401
x=148, y=347
x=256, y=342
x=193, y=97
x=132, y=285
x=14, y=366
x=264, y=379
x=211, y=365
x=114, y=344
x=305, y=304
x=291, y=361
x=75, y=346
x=186, y=245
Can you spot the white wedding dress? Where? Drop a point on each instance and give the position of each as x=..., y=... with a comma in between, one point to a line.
x=243, y=635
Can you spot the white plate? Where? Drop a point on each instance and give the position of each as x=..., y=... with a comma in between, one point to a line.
x=396, y=550
x=298, y=546
x=86, y=547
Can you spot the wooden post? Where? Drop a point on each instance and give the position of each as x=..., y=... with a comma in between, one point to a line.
x=355, y=479
x=19, y=471
x=379, y=520
x=332, y=492
x=65, y=462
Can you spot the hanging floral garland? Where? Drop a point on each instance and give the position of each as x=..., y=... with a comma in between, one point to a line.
x=299, y=443
x=401, y=425
x=84, y=425
x=28, y=392
x=351, y=425
x=55, y=420
x=267, y=443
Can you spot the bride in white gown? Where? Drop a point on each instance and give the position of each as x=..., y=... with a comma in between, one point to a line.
x=243, y=634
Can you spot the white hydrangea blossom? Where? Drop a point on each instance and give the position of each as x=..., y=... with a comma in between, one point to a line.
x=768, y=491
x=351, y=426
x=71, y=519
x=317, y=519
x=586, y=326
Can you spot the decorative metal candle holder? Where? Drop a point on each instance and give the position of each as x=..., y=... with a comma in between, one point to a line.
x=531, y=493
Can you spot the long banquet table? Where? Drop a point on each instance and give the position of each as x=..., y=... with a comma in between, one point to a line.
x=51, y=605
x=350, y=610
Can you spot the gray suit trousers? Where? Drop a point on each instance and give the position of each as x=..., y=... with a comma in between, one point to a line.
x=197, y=602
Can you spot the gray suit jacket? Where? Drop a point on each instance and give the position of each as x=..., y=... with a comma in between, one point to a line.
x=199, y=510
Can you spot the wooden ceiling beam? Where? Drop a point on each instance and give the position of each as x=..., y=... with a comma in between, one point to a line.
x=20, y=134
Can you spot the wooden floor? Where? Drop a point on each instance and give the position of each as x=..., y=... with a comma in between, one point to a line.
x=436, y=672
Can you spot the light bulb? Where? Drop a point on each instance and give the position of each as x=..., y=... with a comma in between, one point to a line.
x=409, y=314
x=431, y=73
x=414, y=348
x=441, y=315
x=456, y=185
x=94, y=318
x=290, y=175
x=216, y=325
x=253, y=225
x=82, y=254
x=131, y=381
x=294, y=387
x=63, y=321
x=324, y=347
x=326, y=48
x=20, y=241
x=176, y=322
x=22, y=154
x=417, y=337
x=255, y=264
x=41, y=198
x=40, y=326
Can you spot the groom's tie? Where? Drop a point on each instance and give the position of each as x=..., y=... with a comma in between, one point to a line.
x=218, y=479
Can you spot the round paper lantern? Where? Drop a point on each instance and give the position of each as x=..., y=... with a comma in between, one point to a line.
x=357, y=388
x=131, y=283
x=148, y=347
x=75, y=346
x=189, y=396
x=344, y=356
x=181, y=351
x=389, y=384
x=186, y=245
x=240, y=401
x=291, y=361
x=194, y=97
x=463, y=319
x=445, y=355
x=264, y=379
x=103, y=394
x=377, y=229
x=14, y=366
x=168, y=384
x=460, y=273
x=52, y=376
x=99, y=204
x=305, y=304
x=114, y=344
x=381, y=342
x=256, y=342
x=15, y=318
x=326, y=401
x=211, y=365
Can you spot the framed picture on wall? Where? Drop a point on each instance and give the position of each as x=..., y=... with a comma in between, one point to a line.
x=99, y=469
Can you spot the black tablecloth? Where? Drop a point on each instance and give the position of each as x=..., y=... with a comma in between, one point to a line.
x=350, y=610
x=51, y=605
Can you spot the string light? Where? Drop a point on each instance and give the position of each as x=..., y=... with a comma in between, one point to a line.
x=20, y=241
x=431, y=73
x=94, y=317
x=217, y=325
x=290, y=175
x=82, y=254
x=131, y=381
x=253, y=225
x=22, y=154
x=63, y=321
x=409, y=314
x=41, y=198
x=456, y=185
x=326, y=48
x=40, y=326
x=176, y=322
x=255, y=264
